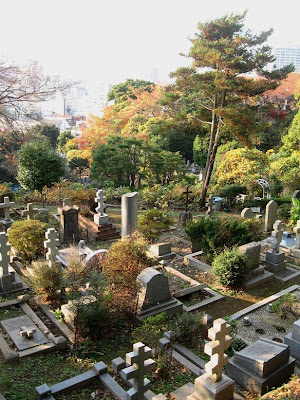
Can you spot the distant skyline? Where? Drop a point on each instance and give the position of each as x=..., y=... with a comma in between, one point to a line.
x=108, y=42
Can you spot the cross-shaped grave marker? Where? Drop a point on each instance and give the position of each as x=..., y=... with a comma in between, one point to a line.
x=187, y=198
x=27, y=333
x=219, y=334
x=30, y=211
x=277, y=235
x=4, y=254
x=7, y=205
x=210, y=204
x=51, y=244
x=141, y=364
x=296, y=230
x=100, y=197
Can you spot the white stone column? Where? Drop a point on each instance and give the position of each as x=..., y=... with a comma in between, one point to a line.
x=129, y=211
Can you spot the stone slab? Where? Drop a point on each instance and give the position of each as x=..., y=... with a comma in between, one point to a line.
x=12, y=327
x=294, y=346
x=256, y=384
x=258, y=280
x=296, y=330
x=275, y=268
x=183, y=392
x=263, y=356
x=252, y=253
x=287, y=274
x=7, y=353
x=275, y=258
x=206, y=389
x=160, y=249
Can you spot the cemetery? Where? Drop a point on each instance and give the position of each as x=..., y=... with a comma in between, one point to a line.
x=155, y=255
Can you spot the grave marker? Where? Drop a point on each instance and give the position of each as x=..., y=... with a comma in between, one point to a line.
x=69, y=222
x=187, y=192
x=6, y=278
x=277, y=234
x=247, y=213
x=51, y=244
x=30, y=211
x=271, y=215
x=129, y=209
x=100, y=218
x=210, y=205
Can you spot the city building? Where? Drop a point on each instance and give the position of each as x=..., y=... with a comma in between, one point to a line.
x=285, y=56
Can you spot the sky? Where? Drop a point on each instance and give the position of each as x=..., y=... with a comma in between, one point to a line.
x=110, y=41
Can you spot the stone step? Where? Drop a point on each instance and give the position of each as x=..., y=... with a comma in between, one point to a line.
x=259, y=279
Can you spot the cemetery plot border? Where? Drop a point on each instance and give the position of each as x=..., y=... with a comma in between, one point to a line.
x=48, y=342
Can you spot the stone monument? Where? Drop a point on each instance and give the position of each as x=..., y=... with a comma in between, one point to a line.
x=214, y=385
x=100, y=218
x=275, y=259
x=271, y=215
x=6, y=205
x=51, y=244
x=9, y=279
x=210, y=205
x=129, y=209
x=69, y=232
x=153, y=295
x=261, y=366
x=30, y=211
x=247, y=213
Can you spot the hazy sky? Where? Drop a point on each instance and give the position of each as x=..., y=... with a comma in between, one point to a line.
x=112, y=40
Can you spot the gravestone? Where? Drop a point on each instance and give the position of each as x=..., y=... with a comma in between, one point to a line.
x=51, y=244
x=161, y=251
x=271, y=215
x=6, y=205
x=261, y=366
x=292, y=339
x=129, y=209
x=214, y=385
x=153, y=294
x=141, y=363
x=275, y=259
x=296, y=230
x=210, y=205
x=100, y=218
x=69, y=232
x=30, y=211
x=247, y=213
x=296, y=194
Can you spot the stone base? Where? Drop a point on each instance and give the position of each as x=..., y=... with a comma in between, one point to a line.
x=206, y=389
x=170, y=307
x=294, y=346
x=11, y=282
x=6, y=224
x=259, y=385
x=295, y=253
x=101, y=219
x=275, y=258
x=6, y=282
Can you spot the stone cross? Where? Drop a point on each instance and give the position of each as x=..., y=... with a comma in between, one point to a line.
x=6, y=205
x=30, y=211
x=4, y=254
x=27, y=333
x=51, y=244
x=219, y=334
x=296, y=230
x=141, y=365
x=187, y=198
x=277, y=236
x=100, y=200
x=210, y=204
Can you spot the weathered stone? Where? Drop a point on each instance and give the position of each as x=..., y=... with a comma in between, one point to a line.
x=51, y=244
x=247, y=213
x=160, y=249
x=206, y=389
x=184, y=217
x=252, y=254
x=101, y=218
x=292, y=339
x=129, y=209
x=271, y=215
x=69, y=231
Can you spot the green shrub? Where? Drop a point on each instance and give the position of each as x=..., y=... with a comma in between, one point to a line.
x=230, y=268
x=27, y=237
x=284, y=213
x=151, y=330
x=152, y=223
x=46, y=281
x=188, y=328
x=295, y=211
x=231, y=191
x=5, y=191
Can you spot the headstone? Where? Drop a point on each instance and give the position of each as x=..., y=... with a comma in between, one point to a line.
x=141, y=363
x=129, y=209
x=296, y=230
x=51, y=244
x=210, y=205
x=292, y=339
x=69, y=231
x=6, y=205
x=153, y=294
x=247, y=213
x=6, y=279
x=261, y=366
x=296, y=194
x=213, y=385
x=100, y=218
x=161, y=251
x=184, y=217
x=252, y=254
x=271, y=215
x=275, y=259
x=30, y=211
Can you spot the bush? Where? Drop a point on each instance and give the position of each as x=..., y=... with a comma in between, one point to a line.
x=125, y=260
x=151, y=330
x=230, y=268
x=231, y=191
x=295, y=211
x=205, y=231
x=152, y=223
x=27, y=237
x=5, y=191
x=188, y=328
x=46, y=281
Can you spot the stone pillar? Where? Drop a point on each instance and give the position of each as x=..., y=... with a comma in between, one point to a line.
x=129, y=213
x=271, y=215
x=6, y=278
x=69, y=230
